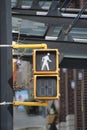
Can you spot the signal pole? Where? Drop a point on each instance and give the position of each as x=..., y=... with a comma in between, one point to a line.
x=6, y=89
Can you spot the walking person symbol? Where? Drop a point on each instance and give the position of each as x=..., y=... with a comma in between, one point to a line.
x=45, y=62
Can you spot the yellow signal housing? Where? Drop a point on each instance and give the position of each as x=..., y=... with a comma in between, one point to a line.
x=53, y=64
x=46, y=87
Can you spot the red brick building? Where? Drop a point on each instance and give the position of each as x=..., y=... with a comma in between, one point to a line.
x=73, y=99
x=77, y=3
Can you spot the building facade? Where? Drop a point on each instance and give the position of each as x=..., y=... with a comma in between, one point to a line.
x=73, y=101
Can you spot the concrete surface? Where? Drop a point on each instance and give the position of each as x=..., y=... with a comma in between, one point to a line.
x=31, y=122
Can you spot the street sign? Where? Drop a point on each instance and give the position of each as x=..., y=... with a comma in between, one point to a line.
x=46, y=61
x=46, y=87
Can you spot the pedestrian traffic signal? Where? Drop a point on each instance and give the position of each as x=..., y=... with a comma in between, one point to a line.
x=46, y=87
x=46, y=61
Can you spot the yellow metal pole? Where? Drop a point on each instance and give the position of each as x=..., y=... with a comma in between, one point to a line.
x=35, y=46
x=16, y=103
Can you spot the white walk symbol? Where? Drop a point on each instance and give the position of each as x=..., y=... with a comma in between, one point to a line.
x=45, y=61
